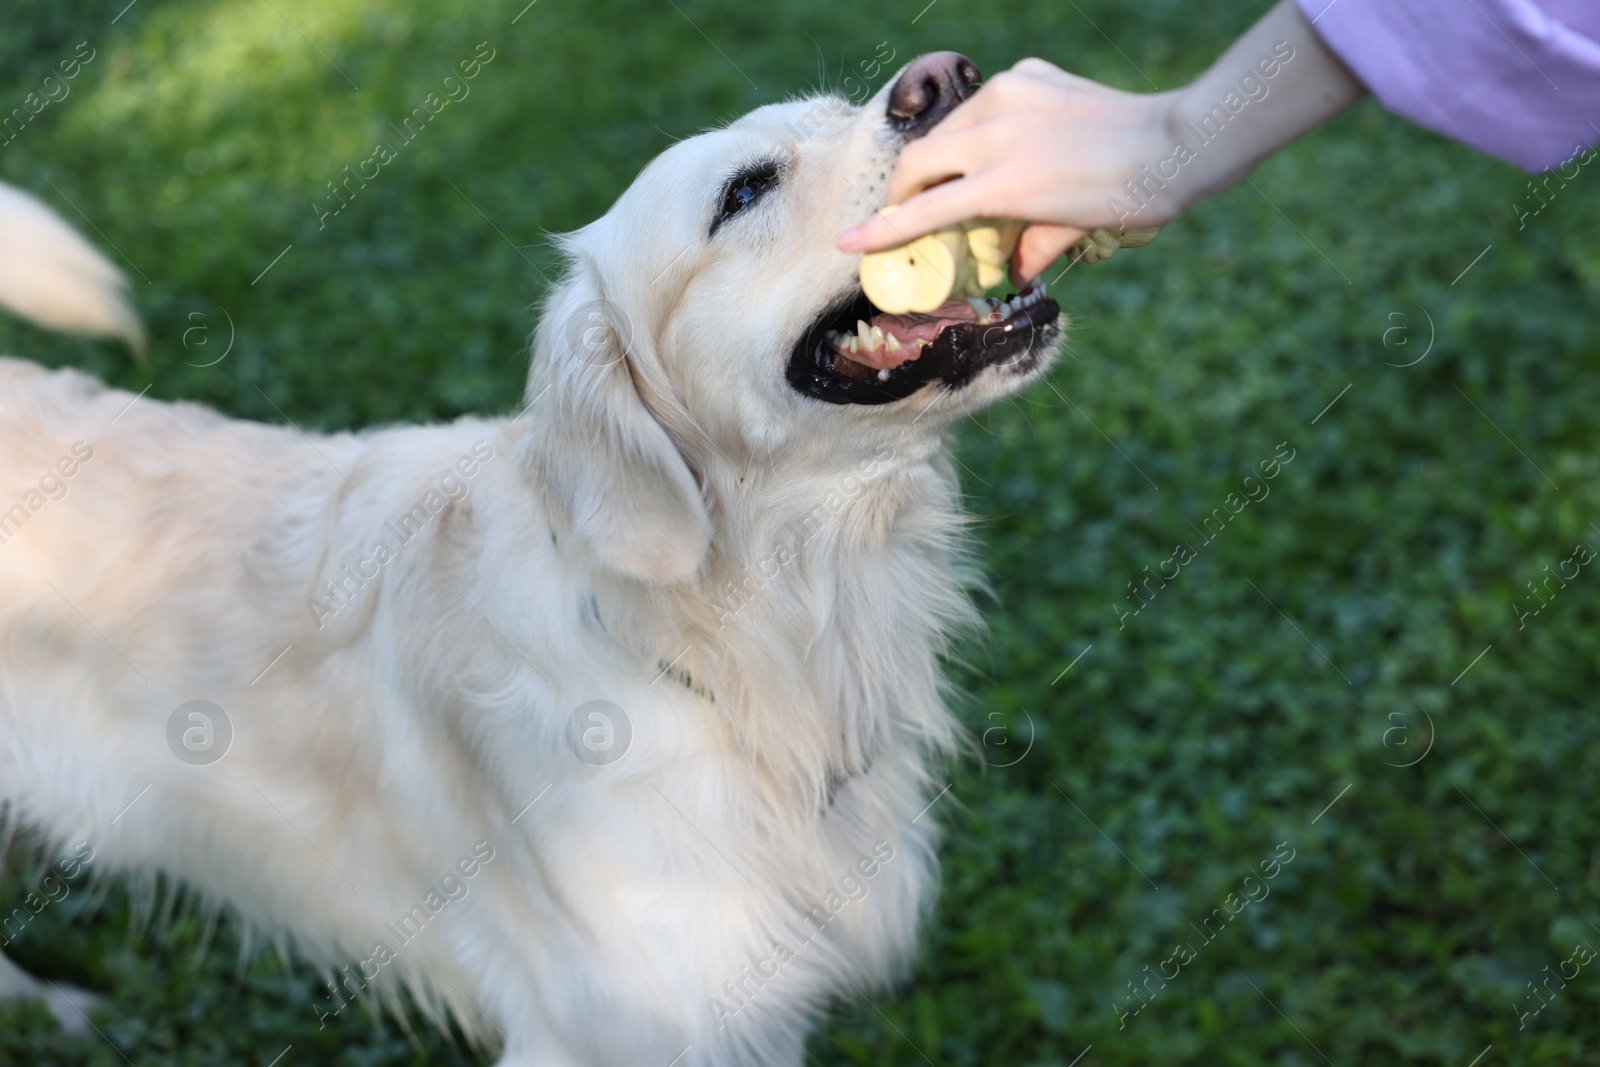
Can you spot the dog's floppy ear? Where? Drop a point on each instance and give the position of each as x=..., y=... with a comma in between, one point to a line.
x=610, y=474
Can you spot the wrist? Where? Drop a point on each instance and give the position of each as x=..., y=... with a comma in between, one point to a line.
x=1188, y=175
x=1156, y=170
x=1274, y=84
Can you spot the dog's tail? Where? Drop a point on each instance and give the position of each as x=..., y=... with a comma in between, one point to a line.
x=51, y=276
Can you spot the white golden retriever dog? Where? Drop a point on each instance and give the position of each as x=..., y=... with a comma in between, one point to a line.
x=608, y=728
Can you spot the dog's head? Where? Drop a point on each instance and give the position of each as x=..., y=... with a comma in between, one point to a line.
x=709, y=322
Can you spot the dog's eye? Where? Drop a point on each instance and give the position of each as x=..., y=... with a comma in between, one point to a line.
x=745, y=189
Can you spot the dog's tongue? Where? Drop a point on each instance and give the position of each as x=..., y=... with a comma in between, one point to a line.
x=910, y=329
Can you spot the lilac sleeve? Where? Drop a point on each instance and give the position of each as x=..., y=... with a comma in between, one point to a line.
x=1518, y=79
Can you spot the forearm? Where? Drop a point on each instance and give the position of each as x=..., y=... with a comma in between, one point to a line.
x=1274, y=84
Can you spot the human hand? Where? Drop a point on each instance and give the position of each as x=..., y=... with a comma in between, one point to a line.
x=1070, y=155
x=1034, y=143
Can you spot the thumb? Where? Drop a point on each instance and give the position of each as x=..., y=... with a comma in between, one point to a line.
x=1038, y=247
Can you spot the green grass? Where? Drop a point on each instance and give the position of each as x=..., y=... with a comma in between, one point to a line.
x=1304, y=650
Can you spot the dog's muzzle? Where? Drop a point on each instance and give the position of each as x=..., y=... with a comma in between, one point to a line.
x=855, y=353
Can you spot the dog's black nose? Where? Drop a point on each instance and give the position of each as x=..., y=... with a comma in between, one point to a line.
x=930, y=89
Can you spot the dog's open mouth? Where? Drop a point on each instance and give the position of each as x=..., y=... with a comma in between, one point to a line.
x=856, y=354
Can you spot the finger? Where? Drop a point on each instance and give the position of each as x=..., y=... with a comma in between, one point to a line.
x=1035, y=67
x=933, y=159
x=1041, y=70
x=971, y=111
x=943, y=205
x=1038, y=247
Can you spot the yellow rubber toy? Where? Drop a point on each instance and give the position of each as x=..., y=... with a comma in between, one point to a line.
x=918, y=275
x=965, y=261
x=1100, y=245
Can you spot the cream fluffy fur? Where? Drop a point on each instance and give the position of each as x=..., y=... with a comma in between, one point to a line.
x=764, y=584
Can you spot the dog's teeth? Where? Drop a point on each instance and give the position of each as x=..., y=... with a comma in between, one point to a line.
x=883, y=375
x=877, y=337
x=980, y=307
x=863, y=334
x=892, y=343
